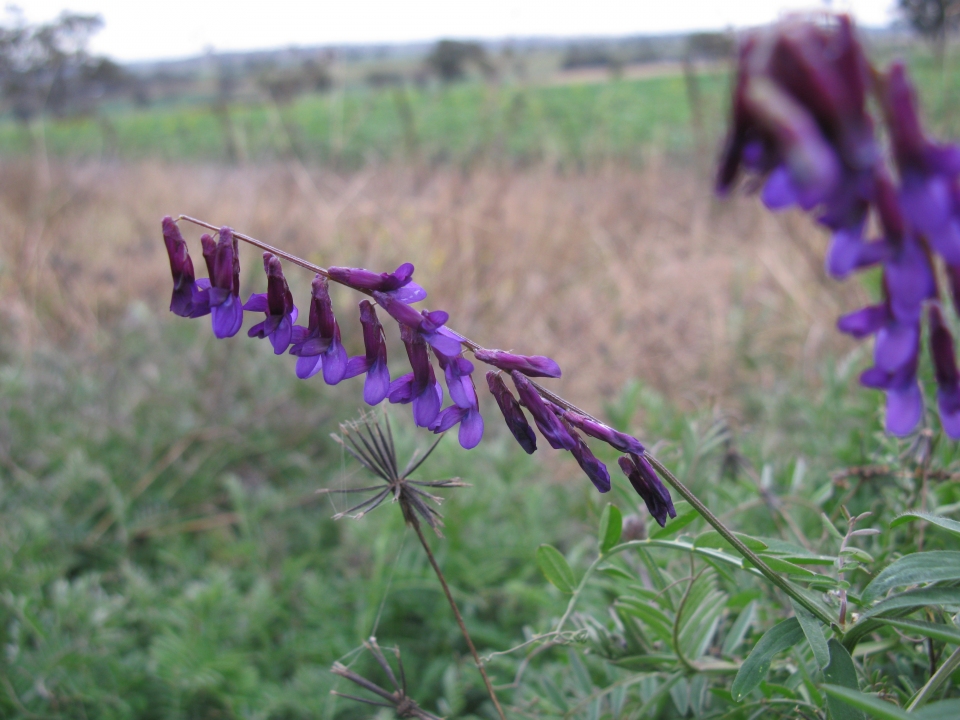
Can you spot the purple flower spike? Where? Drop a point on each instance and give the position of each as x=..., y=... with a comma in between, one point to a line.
x=617, y=440
x=595, y=470
x=419, y=387
x=512, y=413
x=374, y=362
x=948, y=377
x=648, y=486
x=549, y=424
x=429, y=325
x=209, y=247
x=223, y=295
x=278, y=305
x=399, y=283
x=181, y=268
x=318, y=346
x=529, y=365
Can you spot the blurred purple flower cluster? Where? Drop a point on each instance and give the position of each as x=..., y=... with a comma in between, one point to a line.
x=802, y=128
x=319, y=350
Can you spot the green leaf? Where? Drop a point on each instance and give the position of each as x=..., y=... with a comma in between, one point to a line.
x=830, y=527
x=951, y=526
x=811, y=630
x=740, y=628
x=787, y=568
x=943, y=710
x=915, y=599
x=754, y=669
x=556, y=568
x=713, y=539
x=870, y=704
x=841, y=671
x=676, y=525
x=921, y=567
x=611, y=525
x=946, y=633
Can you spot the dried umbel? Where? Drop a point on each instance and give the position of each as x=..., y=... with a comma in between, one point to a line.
x=802, y=128
x=429, y=344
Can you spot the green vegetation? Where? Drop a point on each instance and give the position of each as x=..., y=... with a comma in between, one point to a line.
x=164, y=554
x=459, y=123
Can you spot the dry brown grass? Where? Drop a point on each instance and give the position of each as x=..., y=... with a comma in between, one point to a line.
x=617, y=274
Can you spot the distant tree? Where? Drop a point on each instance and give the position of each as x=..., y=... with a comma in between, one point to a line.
x=449, y=59
x=932, y=19
x=709, y=46
x=46, y=68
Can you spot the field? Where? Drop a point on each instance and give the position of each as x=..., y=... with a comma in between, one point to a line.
x=163, y=552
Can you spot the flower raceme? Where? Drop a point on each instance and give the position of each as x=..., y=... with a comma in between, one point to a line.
x=801, y=126
x=318, y=348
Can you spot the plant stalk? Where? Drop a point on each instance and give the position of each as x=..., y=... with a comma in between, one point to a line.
x=456, y=613
x=738, y=544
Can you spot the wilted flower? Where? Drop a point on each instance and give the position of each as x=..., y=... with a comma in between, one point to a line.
x=277, y=303
x=595, y=470
x=374, y=362
x=318, y=346
x=181, y=267
x=529, y=365
x=648, y=486
x=512, y=413
x=614, y=438
x=549, y=424
x=399, y=284
x=420, y=386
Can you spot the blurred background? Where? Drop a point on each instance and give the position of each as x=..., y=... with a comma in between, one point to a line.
x=548, y=169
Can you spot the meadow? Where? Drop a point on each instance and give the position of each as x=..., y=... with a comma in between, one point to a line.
x=163, y=550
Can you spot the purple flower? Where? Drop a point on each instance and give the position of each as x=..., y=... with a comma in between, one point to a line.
x=800, y=121
x=222, y=296
x=928, y=171
x=429, y=325
x=398, y=284
x=529, y=365
x=617, y=440
x=595, y=470
x=945, y=368
x=318, y=346
x=547, y=422
x=904, y=399
x=466, y=408
x=277, y=303
x=374, y=362
x=419, y=387
x=648, y=486
x=512, y=413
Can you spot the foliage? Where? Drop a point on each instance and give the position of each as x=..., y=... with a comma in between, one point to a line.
x=932, y=18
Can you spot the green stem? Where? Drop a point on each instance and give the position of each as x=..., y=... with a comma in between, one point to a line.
x=746, y=552
x=935, y=681
x=576, y=593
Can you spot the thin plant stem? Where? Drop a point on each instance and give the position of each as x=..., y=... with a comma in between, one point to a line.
x=935, y=681
x=456, y=613
x=740, y=547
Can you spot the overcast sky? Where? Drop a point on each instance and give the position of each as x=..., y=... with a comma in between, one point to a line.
x=154, y=29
